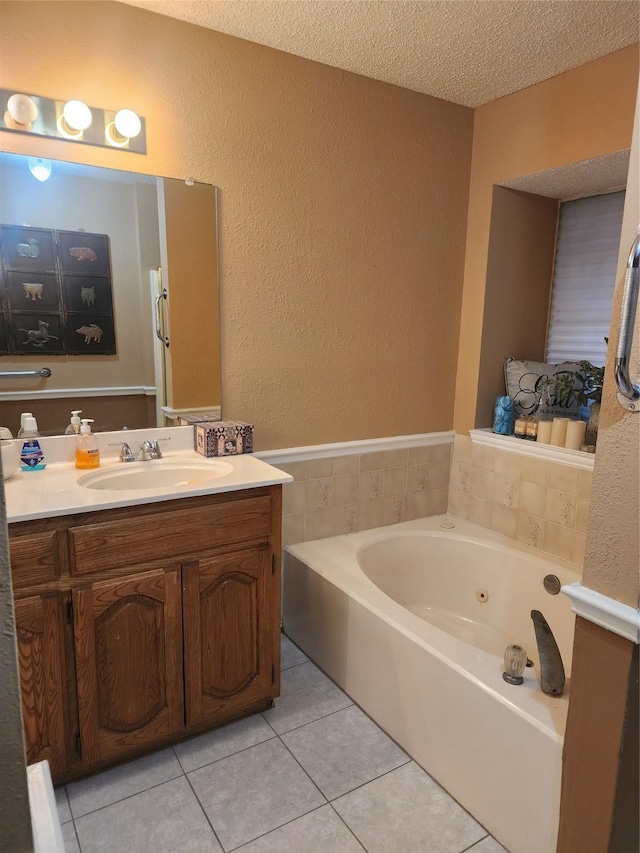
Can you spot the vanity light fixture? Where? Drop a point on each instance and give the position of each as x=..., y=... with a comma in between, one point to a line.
x=21, y=112
x=125, y=126
x=39, y=168
x=72, y=120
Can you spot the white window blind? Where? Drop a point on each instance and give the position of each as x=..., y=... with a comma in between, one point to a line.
x=584, y=278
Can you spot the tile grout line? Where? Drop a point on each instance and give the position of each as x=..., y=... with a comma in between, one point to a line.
x=230, y=755
x=310, y=722
x=129, y=796
x=203, y=810
x=343, y=821
x=275, y=828
x=475, y=843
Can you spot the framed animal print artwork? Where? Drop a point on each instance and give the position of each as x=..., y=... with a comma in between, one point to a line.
x=90, y=334
x=55, y=292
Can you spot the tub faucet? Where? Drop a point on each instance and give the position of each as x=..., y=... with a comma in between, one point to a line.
x=551, y=668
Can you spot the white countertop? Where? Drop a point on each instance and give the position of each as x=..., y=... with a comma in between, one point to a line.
x=55, y=491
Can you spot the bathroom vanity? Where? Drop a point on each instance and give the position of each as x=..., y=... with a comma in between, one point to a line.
x=147, y=621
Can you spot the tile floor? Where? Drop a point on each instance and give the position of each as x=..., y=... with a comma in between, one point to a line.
x=313, y=774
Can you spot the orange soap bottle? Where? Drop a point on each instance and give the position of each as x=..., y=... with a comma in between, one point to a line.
x=87, y=453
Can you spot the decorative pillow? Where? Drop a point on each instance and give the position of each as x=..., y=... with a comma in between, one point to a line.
x=523, y=379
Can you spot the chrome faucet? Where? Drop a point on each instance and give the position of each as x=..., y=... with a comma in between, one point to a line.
x=149, y=449
x=551, y=668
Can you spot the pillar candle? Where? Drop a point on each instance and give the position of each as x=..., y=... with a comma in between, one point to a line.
x=575, y=435
x=559, y=431
x=544, y=432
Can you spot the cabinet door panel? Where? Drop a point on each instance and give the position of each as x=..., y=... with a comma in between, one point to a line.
x=228, y=630
x=39, y=629
x=129, y=663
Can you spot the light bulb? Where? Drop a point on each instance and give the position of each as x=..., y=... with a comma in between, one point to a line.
x=127, y=123
x=39, y=168
x=22, y=109
x=77, y=115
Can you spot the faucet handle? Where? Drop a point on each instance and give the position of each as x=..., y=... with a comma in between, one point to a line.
x=156, y=453
x=126, y=453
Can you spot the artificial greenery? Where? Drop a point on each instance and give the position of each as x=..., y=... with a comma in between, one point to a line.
x=582, y=385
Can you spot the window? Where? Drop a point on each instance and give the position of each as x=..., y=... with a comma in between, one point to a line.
x=584, y=278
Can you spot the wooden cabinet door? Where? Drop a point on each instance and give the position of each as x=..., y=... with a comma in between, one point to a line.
x=230, y=616
x=128, y=639
x=40, y=633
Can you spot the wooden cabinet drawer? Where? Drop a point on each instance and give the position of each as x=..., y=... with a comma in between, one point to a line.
x=34, y=559
x=162, y=535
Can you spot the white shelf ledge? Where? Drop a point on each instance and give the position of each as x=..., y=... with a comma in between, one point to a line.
x=575, y=458
x=606, y=612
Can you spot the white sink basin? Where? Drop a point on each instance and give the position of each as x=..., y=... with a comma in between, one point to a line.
x=155, y=475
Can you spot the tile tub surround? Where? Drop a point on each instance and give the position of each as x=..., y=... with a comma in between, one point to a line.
x=313, y=774
x=538, y=502
x=359, y=491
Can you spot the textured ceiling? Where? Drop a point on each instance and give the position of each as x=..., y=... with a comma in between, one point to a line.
x=466, y=51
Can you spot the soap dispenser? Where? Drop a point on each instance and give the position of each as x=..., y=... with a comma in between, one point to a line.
x=74, y=426
x=87, y=453
x=31, y=456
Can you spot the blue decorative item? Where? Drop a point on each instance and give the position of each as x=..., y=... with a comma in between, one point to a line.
x=503, y=416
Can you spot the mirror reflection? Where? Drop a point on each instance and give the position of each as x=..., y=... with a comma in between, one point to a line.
x=109, y=279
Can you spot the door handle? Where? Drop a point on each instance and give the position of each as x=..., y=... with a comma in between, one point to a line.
x=628, y=391
x=159, y=327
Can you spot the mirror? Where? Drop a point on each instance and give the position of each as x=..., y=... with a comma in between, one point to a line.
x=95, y=314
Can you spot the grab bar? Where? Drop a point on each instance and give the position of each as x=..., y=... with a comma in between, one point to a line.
x=159, y=323
x=628, y=391
x=44, y=373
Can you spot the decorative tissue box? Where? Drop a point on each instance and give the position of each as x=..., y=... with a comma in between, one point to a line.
x=223, y=438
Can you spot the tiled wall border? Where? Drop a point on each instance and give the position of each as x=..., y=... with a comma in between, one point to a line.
x=575, y=458
x=358, y=485
x=542, y=503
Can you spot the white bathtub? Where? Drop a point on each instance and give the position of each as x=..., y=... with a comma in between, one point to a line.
x=397, y=616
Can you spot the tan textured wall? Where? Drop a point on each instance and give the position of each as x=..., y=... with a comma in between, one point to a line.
x=343, y=207
x=612, y=559
x=519, y=271
x=584, y=113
